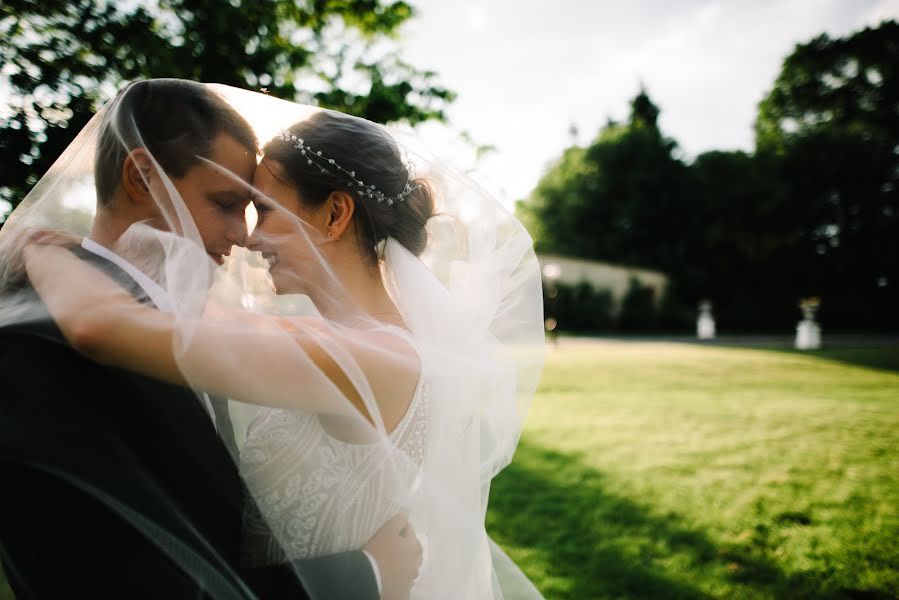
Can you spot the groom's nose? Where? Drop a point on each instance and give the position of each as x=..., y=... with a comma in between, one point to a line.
x=237, y=232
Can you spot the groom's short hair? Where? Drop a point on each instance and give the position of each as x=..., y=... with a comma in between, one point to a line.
x=174, y=119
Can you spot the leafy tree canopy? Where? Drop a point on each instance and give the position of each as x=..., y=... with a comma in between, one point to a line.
x=814, y=211
x=849, y=84
x=61, y=59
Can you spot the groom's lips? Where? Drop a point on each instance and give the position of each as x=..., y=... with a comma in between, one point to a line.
x=271, y=258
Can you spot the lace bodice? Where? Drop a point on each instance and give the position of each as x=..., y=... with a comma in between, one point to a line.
x=318, y=495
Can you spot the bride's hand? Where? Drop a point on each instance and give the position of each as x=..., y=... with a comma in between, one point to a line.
x=27, y=236
x=396, y=549
x=81, y=299
x=51, y=237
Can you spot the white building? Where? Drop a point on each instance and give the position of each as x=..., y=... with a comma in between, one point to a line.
x=605, y=276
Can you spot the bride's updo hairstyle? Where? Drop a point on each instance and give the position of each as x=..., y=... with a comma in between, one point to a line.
x=399, y=208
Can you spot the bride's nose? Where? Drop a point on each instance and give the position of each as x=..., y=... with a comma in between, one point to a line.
x=255, y=240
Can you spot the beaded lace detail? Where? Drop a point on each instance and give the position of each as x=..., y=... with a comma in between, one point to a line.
x=318, y=495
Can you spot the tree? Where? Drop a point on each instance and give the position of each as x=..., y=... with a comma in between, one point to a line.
x=619, y=199
x=849, y=84
x=831, y=126
x=61, y=59
x=748, y=253
x=812, y=212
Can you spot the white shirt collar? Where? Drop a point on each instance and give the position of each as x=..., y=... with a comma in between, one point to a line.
x=154, y=291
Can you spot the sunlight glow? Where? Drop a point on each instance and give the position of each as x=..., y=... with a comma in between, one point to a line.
x=252, y=217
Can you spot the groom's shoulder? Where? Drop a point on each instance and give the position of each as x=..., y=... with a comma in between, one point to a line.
x=32, y=345
x=29, y=323
x=36, y=360
x=32, y=336
x=35, y=327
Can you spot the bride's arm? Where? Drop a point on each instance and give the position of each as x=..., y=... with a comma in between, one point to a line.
x=251, y=358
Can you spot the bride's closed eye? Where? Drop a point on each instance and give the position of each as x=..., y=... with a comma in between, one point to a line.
x=263, y=207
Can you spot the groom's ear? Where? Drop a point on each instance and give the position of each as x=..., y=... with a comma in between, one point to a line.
x=137, y=169
x=340, y=213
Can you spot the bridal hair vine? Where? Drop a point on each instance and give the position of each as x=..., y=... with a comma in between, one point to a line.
x=327, y=165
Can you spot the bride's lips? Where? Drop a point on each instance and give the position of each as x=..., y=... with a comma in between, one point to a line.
x=218, y=258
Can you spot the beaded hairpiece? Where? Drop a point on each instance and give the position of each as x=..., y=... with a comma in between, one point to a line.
x=327, y=165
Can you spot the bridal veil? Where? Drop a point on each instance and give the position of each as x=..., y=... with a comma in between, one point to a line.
x=467, y=291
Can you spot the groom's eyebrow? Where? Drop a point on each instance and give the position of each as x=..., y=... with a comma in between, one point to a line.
x=231, y=196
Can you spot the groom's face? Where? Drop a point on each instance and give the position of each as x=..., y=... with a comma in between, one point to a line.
x=216, y=192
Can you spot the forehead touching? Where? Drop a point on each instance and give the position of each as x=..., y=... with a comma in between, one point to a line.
x=269, y=177
x=273, y=189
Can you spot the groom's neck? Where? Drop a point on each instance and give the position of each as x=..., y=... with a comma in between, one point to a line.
x=108, y=227
x=115, y=215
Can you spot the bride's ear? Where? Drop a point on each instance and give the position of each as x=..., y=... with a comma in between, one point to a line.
x=340, y=213
x=137, y=169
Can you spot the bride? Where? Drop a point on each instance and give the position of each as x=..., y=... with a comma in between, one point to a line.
x=389, y=371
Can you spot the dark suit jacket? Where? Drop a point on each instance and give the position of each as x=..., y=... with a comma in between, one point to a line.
x=117, y=485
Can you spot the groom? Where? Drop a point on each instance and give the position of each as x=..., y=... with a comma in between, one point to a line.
x=140, y=498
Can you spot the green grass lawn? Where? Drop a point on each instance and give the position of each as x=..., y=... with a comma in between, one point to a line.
x=654, y=470
x=651, y=470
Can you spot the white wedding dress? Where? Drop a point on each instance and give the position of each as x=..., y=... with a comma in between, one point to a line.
x=319, y=495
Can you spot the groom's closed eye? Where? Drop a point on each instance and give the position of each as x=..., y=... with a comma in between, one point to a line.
x=229, y=201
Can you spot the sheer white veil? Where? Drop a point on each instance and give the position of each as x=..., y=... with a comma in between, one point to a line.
x=429, y=402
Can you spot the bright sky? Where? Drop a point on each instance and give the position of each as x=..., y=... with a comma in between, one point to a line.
x=525, y=71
